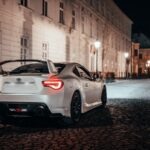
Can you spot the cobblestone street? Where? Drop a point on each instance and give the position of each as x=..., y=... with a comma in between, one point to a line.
x=123, y=125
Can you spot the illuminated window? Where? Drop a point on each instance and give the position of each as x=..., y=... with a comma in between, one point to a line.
x=61, y=13
x=24, y=53
x=24, y=3
x=45, y=8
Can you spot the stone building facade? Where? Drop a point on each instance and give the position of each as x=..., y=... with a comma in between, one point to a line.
x=65, y=30
x=144, y=61
x=140, y=60
x=135, y=58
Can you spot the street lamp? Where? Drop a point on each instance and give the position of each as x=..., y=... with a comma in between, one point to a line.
x=126, y=55
x=97, y=45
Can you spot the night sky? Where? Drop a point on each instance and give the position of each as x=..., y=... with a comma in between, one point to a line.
x=139, y=12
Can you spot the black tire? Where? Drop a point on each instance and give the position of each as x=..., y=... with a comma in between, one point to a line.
x=104, y=96
x=75, y=110
x=3, y=120
x=75, y=107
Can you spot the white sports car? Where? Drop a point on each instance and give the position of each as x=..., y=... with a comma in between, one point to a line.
x=44, y=88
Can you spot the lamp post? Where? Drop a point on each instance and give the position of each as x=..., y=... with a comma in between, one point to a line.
x=97, y=45
x=126, y=55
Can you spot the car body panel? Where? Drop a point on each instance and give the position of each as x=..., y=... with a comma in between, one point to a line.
x=26, y=87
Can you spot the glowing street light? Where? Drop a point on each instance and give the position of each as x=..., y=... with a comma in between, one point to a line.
x=148, y=66
x=97, y=45
x=126, y=55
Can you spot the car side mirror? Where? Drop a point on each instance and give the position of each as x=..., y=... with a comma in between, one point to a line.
x=97, y=77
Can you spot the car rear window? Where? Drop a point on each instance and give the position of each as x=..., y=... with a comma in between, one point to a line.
x=59, y=67
x=31, y=68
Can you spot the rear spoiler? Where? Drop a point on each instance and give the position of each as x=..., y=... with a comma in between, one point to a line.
x=22, y=60
x=51, y=67
x=50, y=64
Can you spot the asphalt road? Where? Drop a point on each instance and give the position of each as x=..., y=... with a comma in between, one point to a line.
x=123, y=125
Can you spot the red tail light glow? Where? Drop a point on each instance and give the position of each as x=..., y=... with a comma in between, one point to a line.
x=53, y=82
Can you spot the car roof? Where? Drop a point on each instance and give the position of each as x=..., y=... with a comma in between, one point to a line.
x=66, y=63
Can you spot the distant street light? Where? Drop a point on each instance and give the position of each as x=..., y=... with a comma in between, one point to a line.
x=126, y=55
x=148, y=67
x=97, y=45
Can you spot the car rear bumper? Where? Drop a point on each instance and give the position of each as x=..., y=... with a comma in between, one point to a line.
x=26, y=110
x=31, y=105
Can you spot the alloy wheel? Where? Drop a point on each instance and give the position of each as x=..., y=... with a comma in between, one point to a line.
x=76, y=107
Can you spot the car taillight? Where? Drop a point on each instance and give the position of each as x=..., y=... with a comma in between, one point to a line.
x=53, y=83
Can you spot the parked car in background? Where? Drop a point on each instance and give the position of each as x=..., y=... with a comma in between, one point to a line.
x=43, y=88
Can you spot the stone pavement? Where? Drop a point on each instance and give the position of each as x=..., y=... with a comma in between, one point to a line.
x=122, y=125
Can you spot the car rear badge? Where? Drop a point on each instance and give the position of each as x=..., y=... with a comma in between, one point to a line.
x=19, y=81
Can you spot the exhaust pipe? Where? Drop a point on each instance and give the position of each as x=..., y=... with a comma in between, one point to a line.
x=39, y=111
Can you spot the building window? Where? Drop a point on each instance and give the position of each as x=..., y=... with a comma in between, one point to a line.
x=45, y=8
x=73, y=19
x=135, y=52
x=91, y=2
x=24, y=53
x=61, y=13
x=103, y=7
x=97, y=28
x=82, y=20
x=140, y=56
x=82, y=24
x=44, y=50
x=91, y=30
x=97, y=5
x=24, y=3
